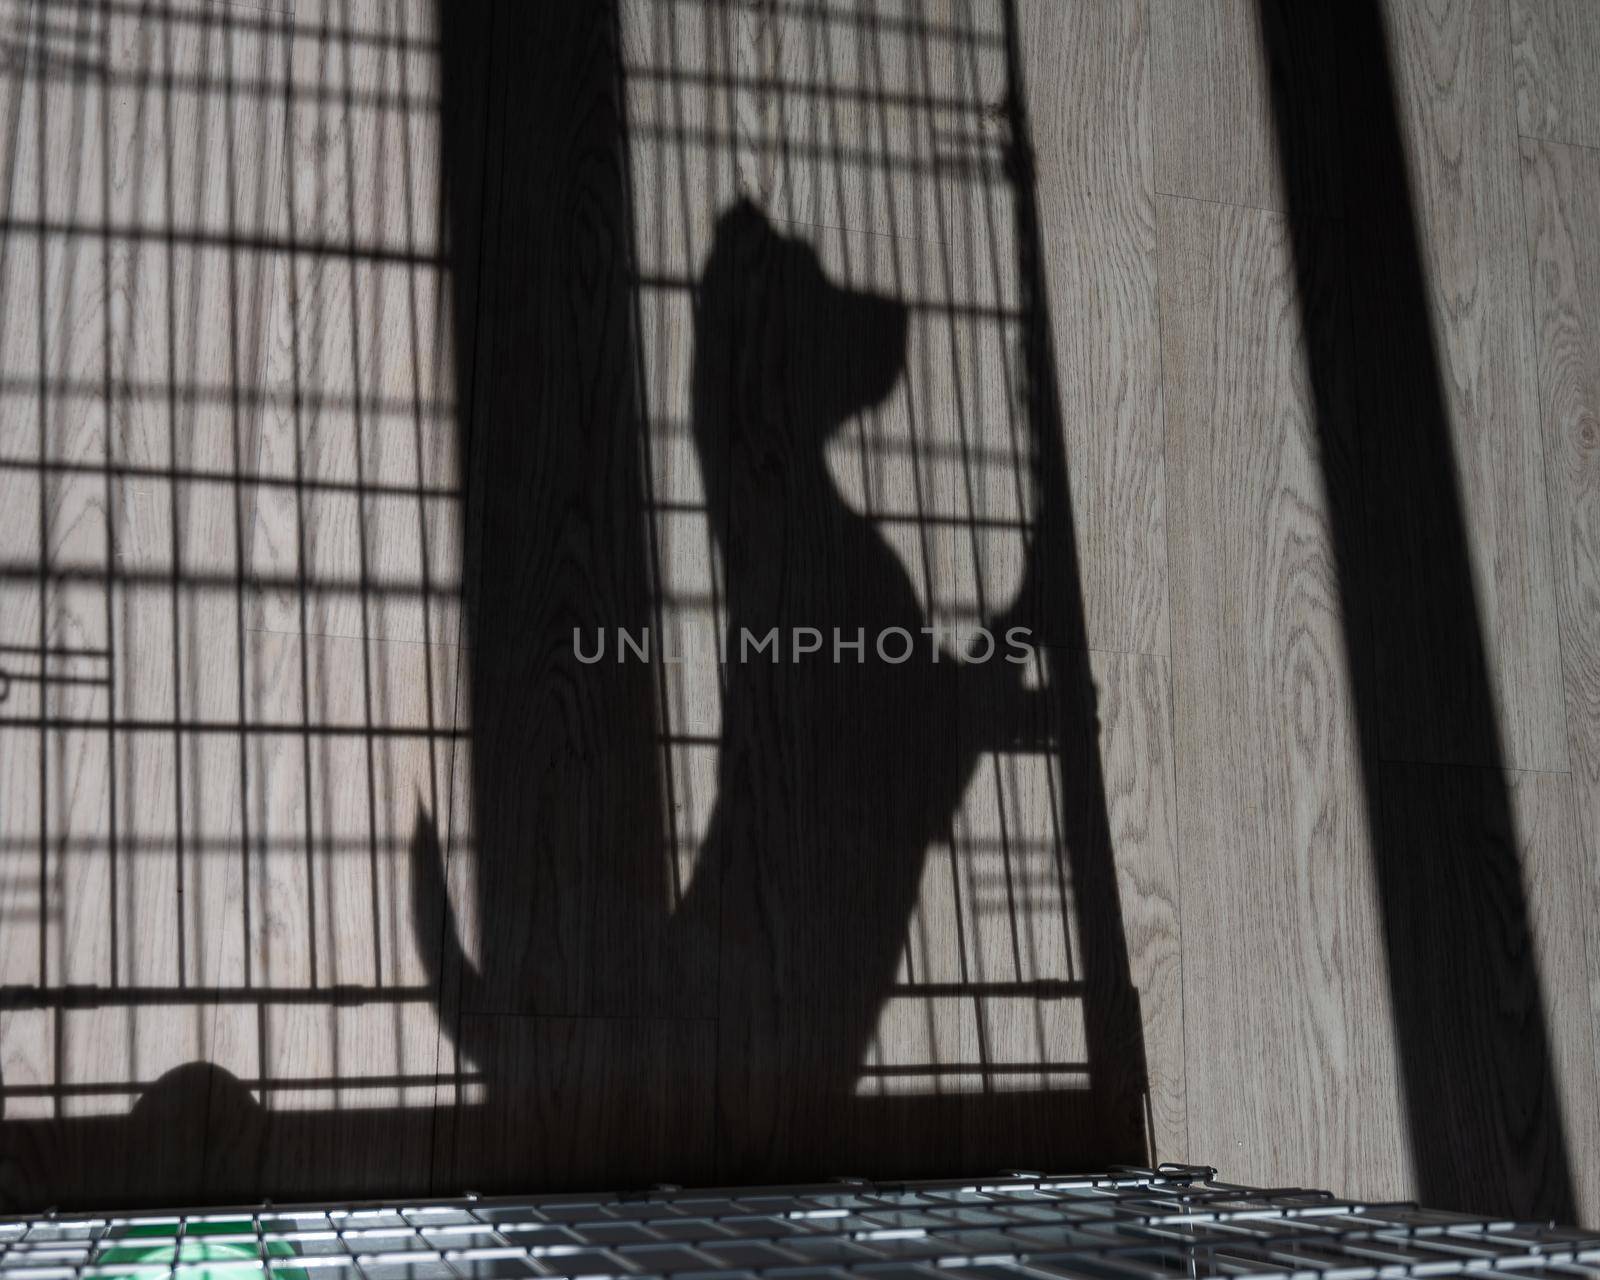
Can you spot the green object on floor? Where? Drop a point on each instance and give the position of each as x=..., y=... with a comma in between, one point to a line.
x=233, y=1258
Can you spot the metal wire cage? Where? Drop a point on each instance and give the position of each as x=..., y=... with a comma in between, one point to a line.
x=1172, y=1221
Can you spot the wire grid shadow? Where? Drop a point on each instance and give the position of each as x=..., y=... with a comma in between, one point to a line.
x=233, y=659
x=229, y=550
x=876, y=135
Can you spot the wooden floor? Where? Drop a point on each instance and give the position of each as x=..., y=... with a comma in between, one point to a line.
x=363, y=362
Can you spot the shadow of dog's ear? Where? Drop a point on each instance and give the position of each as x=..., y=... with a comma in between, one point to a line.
x=743, y=222
x=740, y=248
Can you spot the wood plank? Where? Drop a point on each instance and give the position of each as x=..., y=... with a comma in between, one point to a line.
x=1297, y=1080
x=187, y=335
x=1562, y=191
x=1556, y=47
x=24, y=869
x=462, y=82
x=1086, y=70
x=352, y=654
x=1473, y=274
x=1422, y=555
x=1486, y=1111
x=1561, y=187
x=360, y=365
x=138, y=561
x=1213, y=107
x=1137, y=761
x=1560, y=887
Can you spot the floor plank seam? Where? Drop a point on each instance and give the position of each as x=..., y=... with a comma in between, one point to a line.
x=1114, y=652
x=355, y=635
x=1111, y=651
x=285, y=14
x=1557, y=142
x=1236, y=204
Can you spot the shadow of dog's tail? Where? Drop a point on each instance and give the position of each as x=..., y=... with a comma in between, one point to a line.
x=433, y=922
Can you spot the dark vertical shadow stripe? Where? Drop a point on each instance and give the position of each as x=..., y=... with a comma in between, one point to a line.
x=1483, y=1114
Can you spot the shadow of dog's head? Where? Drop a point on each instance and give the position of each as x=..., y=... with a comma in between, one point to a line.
x=779, y=348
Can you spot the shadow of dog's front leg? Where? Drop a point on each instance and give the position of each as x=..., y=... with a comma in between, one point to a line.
x=1024, y=698
x=1049, y=706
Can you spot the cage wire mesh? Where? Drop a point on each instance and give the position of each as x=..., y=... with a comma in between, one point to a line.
x=1174, y=1221
x=208, y=335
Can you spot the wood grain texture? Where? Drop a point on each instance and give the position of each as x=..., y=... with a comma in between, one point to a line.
x=359, y=361
x=1561, y=187
x=1213, y=108
x=1427, y=808
x=1556, y=46
x=351, y=651
x=1023, y=918
x=1561, y=896
x=862, y=121
x=1420, y=549
x=1138, y=759
x=244, y=817
x=123, y=333
x=1282, y=964
x=1087, y=76
x=1460, y=143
